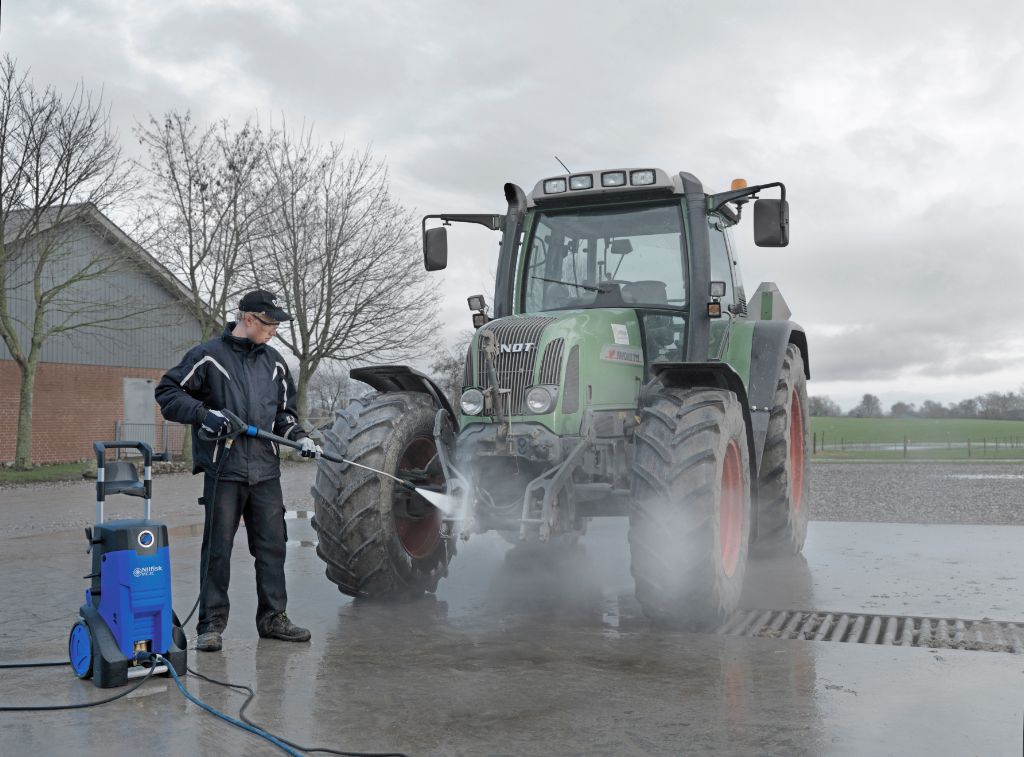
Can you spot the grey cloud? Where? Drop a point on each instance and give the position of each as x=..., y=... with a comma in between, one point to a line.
x=891, y=124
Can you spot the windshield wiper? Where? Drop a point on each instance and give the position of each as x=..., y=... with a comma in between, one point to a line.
x=588, y=287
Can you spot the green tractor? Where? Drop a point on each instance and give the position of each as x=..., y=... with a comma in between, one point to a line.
x=624, y=373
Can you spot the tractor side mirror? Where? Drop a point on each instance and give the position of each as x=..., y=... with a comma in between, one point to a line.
x=435, y=249
x=621, y=247
x=771, y=223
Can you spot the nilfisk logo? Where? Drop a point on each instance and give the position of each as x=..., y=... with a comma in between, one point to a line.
x=520, y=347
x=148, y=570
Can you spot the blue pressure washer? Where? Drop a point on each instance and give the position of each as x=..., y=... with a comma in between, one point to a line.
x=127, y=615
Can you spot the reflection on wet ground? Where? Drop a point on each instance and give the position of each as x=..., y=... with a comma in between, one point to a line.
x=532, y=650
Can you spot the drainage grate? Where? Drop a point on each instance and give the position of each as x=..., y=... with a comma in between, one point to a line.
x=895, y=630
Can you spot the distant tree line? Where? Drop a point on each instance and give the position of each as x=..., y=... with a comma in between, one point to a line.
x=992, y=406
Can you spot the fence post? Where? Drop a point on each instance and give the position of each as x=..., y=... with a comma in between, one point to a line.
x=815, y=449
x=968, y=448
x=905, y=440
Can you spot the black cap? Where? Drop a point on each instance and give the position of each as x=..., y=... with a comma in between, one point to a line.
x=263, y=302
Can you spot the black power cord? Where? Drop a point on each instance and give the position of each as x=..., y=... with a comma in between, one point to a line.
x=80, y=705
x=40, y=664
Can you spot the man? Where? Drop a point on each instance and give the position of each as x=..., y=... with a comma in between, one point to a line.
x=240, y=372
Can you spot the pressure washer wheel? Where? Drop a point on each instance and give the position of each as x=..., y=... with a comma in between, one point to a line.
x=80, y=650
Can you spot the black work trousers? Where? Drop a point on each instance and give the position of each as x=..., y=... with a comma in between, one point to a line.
x=262, y=506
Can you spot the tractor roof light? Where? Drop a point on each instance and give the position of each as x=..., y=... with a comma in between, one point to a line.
x=642, y=178
x=554, y=186
x=738, y=184
x=613, y=179
x=585, y=181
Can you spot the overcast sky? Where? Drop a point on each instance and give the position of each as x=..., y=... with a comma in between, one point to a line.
x=896, y=128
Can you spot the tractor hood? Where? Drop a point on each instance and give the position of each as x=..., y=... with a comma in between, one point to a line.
x=585, y=359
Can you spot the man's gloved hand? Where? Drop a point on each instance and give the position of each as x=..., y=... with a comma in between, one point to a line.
x=215, y=422
x=310, y=448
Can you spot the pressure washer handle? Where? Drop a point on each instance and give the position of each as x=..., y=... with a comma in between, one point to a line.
x=100, y=448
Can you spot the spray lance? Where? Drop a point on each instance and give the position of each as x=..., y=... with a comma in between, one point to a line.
x=443, y=502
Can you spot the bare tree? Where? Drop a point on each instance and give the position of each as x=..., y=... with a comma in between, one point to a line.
x=206, y=198
x=59, y=160
x=449, y=365
x=329, y=391
x=344, y=257
x=870, y=407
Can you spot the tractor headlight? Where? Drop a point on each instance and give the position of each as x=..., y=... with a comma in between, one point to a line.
x=540, y=399
x=554, y=186
x=472, y=402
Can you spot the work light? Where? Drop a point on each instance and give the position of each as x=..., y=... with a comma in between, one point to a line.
x=613, y=179
x=641, y=178
x=581, y=182
x=554, y=186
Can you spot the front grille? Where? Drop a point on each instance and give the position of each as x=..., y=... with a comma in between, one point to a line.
x=571, y=395
x=514, y=368
x=467, y=373
x=551, y=365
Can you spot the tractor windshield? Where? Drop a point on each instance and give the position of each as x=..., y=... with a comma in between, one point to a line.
x=604, y=257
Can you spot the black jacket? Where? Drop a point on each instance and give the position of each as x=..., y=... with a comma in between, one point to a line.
x=252, y=381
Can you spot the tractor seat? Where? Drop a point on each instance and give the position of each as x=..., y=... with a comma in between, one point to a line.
x=121, y=477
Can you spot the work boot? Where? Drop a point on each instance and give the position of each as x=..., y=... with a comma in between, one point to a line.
x=280, y=627
x=208, y=642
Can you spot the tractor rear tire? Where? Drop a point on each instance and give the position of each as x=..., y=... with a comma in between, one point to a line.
x=370, y=550
x=783, y=480
x=689, y=525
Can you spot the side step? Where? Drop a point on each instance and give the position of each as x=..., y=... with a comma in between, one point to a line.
x=895, y=630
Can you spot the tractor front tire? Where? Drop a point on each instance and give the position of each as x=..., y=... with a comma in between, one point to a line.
x=370, y=549
x=689, y=525
x=783, y=480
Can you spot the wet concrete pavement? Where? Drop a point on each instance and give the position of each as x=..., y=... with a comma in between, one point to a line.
x=524, y=652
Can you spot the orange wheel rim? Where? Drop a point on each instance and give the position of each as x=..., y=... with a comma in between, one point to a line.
x=730, y=513
x=419, y=536
x=796, y=452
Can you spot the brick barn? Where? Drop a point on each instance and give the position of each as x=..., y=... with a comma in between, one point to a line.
x=95, y=381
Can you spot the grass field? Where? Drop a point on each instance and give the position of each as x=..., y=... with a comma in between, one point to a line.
x=927, y=439
x=57, y=472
